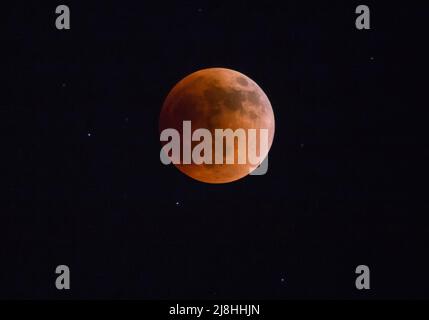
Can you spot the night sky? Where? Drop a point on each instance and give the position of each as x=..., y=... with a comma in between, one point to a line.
x=84, y=185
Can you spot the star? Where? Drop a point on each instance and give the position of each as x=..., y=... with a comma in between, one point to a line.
x=89, y=134
x=177, y=203
x=372, y=58
x=283, y=280
x=63, y=85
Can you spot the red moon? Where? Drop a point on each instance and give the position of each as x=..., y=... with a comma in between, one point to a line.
x=218, y=98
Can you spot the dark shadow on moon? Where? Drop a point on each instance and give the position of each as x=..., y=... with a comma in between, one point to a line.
x=242, y=81
x=254, y=98
x=230, y=98
x=218, y=97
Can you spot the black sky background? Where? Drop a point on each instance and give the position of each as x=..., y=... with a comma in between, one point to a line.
x=344, y=186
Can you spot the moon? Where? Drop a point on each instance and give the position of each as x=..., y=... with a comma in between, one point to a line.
x=218, y=98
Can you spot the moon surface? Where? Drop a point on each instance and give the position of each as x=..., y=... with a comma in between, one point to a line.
x=218, y=98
